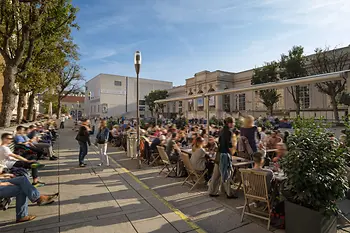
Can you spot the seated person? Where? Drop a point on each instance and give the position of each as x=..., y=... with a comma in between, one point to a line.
x=9, y=159
x=34, y=144
x=115, y=131
x=21, y=188
x=273, y=140
x=172, y=149
x=259, y=162
x=200, y=159
x=212, y=146
x=157, y=142
x=281, y=151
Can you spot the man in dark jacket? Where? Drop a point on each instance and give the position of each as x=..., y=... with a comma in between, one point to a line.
x=223, y=163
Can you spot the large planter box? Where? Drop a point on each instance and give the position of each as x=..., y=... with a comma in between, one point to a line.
x=304, y=220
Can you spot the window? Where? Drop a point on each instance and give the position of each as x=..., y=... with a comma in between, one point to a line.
x=180, y=106
x=98, y=108
x=227, y=103
x=174, y=106
x=142, y=108
x=190, y=105
x=304, y=97
x=117, y=83
x=142, y=102
x=200, y=104
x=241, y=102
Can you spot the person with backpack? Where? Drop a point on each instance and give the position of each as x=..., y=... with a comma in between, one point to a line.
x=102, y=141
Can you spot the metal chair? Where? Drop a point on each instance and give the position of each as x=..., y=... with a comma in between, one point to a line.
x=255, y=189
x=194, y=177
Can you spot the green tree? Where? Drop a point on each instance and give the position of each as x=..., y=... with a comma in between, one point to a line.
x=22, y=23
x=267, y=73
x=69, y=82
x=328, y=61
x=42, y=71
x=152, y=97
x=293, y=66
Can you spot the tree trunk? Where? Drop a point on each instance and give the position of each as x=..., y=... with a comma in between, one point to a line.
x=9, y=93
x=20, y=106
x=59, y=107
x=31, y=107
x=297, y=100
x=297, y=109
x=270, y=109
x=335, y=107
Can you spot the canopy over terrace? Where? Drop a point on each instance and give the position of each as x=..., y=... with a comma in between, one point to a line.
x=345, y=74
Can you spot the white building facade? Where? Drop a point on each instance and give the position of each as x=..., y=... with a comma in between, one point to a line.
x=115, y=95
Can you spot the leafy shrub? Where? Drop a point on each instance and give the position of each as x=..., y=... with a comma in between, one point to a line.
x=315, y=167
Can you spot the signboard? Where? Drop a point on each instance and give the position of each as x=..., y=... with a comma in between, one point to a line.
x=212, y=101
x=200, y=102
x=104, y=108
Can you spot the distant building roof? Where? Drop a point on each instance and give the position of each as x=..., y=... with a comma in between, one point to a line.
x=73, y=99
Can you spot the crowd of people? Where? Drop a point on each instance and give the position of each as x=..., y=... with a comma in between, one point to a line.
x=212, y=150
x=20, y=152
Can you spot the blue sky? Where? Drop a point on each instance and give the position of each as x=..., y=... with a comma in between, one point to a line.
x=178, y=38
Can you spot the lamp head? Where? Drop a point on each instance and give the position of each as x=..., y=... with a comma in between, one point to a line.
x=137, y=58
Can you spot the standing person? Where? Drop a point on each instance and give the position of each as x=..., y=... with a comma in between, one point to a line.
x=223, y=162
x=250, y=131
x=83, y=138
x=63, y=118
x=102, y=140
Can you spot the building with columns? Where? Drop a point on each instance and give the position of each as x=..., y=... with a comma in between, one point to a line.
x=313, y=102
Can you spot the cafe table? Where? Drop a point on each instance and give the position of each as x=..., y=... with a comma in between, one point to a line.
x=237, y=163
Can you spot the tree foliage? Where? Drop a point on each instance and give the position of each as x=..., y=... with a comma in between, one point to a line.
x=293, y=65
x=267, y=73
x=152, y=97
x=22, y=25
x=328, y=61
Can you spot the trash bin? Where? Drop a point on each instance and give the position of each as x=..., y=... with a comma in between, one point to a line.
x=132, y=145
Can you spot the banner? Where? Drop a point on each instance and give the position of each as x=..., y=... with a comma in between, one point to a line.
x=212, y=101
x=200, y=102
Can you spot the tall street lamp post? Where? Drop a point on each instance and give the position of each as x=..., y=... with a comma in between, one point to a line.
x=137, y=63
x=77, y=110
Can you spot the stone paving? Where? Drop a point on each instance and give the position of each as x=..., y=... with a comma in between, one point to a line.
x=122, y=198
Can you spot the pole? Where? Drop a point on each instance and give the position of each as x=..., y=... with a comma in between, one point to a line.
x=207, y=112
x=137, y=63
x=138, y=121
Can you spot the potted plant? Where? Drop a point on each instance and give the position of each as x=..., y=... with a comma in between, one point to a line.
x=316, y=171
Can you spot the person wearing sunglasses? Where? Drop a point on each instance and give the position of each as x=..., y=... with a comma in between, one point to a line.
x=9, y=159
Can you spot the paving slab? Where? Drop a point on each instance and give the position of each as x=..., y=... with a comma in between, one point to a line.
x=118, y=224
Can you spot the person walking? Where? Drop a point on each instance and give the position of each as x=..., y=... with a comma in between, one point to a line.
x=102, y=141
x=63, y=118
x=83, y=138
x=223, y=163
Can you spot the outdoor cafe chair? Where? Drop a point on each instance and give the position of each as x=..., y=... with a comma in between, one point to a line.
x=194, y=177
x=166, y=161
x=255, y=190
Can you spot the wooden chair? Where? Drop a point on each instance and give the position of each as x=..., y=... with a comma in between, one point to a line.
x=194, y=177
x=166, y=161
x=255, y=189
